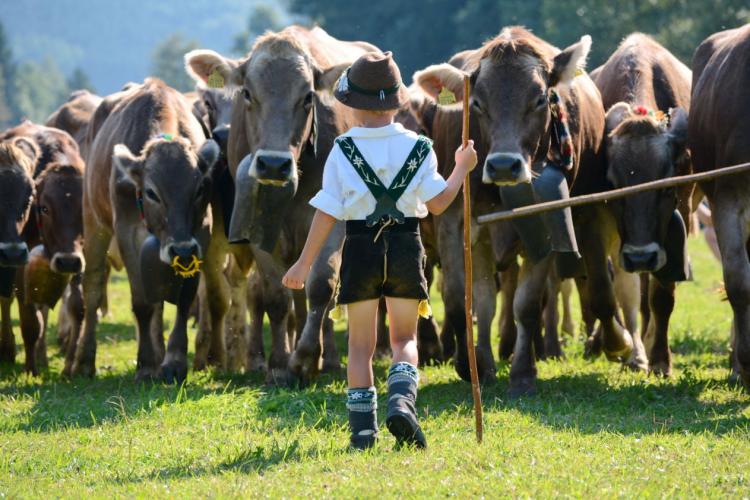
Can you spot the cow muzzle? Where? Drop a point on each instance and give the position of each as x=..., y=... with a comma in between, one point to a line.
x=14, y=254
x=220, y=134
x=68, y=263
x=275, y=168
x=181, y=252
x=642, y=258
x=506, y=169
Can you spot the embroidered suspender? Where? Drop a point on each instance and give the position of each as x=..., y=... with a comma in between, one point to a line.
x=386, y=198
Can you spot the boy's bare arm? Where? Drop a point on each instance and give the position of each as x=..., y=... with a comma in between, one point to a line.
x=466, y=160
x=321, y=227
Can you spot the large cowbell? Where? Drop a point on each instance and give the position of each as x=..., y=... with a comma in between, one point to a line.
x=7, y=281
x=160, y=281
x=548, y=232
x=678, y=266
x=259, y=209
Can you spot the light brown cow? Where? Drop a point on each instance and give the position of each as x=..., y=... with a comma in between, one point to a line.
x=54, y=232
x=284, y=122
x=642, y=85
x=74, y=116
x=148, y=185
x=718, y=136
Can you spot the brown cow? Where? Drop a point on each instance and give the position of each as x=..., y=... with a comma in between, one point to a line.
x=640, y=79
x=511, y=78
x=54, y=232
x=718, y=136
x=74, y=116
x=284, y=122
x=155, y=205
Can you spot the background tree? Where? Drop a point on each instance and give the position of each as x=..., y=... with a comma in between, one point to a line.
x=79, y=80
x=261, y=19
x=40, y=89
x=8, y=109
x=168, y=61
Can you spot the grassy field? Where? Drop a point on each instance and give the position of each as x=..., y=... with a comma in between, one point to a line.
x=593, y=429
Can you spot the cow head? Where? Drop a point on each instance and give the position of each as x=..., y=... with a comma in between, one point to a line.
x=511, y=77
x=174, y=183
x=59, y=215
x=215, y=110
x=274, y=120
x=643, y=147
x=17, y=160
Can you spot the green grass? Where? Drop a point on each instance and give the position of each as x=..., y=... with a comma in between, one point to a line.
x=593, y=429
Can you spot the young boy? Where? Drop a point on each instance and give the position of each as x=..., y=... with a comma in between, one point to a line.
x=383, y=253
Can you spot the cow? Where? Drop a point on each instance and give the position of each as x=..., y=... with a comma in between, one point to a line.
x=646, y=91
x=75, y=114
x=511, y=77
x=54, y=232
x=284, y=121
x=148, y=184
x=718, y=137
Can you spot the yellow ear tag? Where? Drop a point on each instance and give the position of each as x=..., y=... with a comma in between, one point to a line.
x=446, y=97
x=580, y=72
x=215, y=80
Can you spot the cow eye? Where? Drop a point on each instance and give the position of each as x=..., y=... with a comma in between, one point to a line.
x=476, y=106
x=44, y=209
x=151, y=195
x=246, y=95
x=207, y=103
x=308, y=101
x=541, y=102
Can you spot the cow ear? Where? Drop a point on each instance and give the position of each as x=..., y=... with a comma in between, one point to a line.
x=28, y=148
x=325, y=79
x=128, y=164
x=208, y=155
x=201, y=64
x=677, y=133
x=567, y=63
x=616, y=115
x=433, y=78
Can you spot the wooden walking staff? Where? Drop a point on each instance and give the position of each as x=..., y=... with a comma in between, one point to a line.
x=468, y=276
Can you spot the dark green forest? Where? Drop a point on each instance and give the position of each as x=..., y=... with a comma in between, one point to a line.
x=419, y=32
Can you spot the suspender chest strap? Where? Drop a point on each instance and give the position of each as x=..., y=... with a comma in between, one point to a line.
x=386, y=198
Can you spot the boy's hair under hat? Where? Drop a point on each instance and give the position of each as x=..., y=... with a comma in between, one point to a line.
x=372, y=83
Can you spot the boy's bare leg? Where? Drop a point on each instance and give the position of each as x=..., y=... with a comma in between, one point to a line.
x=362, y=401
x=403, y=377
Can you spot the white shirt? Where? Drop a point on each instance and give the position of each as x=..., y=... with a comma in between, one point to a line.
x=345, y=195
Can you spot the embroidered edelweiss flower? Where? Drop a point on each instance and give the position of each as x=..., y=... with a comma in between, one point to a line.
x=357, y=161
x=412, y=164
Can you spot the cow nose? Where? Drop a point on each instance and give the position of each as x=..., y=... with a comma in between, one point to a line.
x=183, y=251
x=274, y=168
x=67, y=263
x=505, y=168
x=13, y=254
x=634, y=262
x=221, y=135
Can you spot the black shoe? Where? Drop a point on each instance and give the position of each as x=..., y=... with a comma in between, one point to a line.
x=363, y=442
x=405, y=429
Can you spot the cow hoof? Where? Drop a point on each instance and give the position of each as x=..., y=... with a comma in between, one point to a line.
x=661, y=369
x=257, y=363
x=485, y=367
x=554, y=352
x=146, y=375
x=525, y=386
x=448, y=341
x=638, y=362
x=331, y=366
x=173, y=371
x=592, y=349
x=83, y=369
x=304, y=362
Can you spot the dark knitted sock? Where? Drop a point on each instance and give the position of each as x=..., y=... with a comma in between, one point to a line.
x=401, y=418
x=362, y=404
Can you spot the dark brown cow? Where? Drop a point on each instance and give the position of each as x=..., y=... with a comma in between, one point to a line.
x=54, y=232
x=511, y=76
x=643, y=144
x=155, y=205
x=284, y=122
x=718, y=136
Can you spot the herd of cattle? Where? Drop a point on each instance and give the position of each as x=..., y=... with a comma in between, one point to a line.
x=165, y=183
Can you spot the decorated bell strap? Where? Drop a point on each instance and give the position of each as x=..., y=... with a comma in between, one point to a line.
x=561, y=150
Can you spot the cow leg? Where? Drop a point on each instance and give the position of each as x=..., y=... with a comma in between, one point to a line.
x=40, y=348
x=256, y=354
x=428, y=343
x=7, y=341
x=587, y=315
x=566, y=291
x=278, y=306
x=527, y=309
x=214, y=304
x=174, y=368
x=485, y=304
x=156, y=332
x=147, y=364
x=82, y=353
x=236, y=326
x=617, y=343
x=628, y=294
x=661, y=302
x=506, y=322
x=71, y=310
x=320, y=288
x=31, y=326
x=552, y=347
x=731, y=225
x=299, y=299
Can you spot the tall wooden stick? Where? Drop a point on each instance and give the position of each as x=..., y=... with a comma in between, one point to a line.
x=469, y=278
x=614, y=194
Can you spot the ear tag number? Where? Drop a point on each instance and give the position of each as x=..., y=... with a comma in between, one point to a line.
x=215, y=80
x=446, y=97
